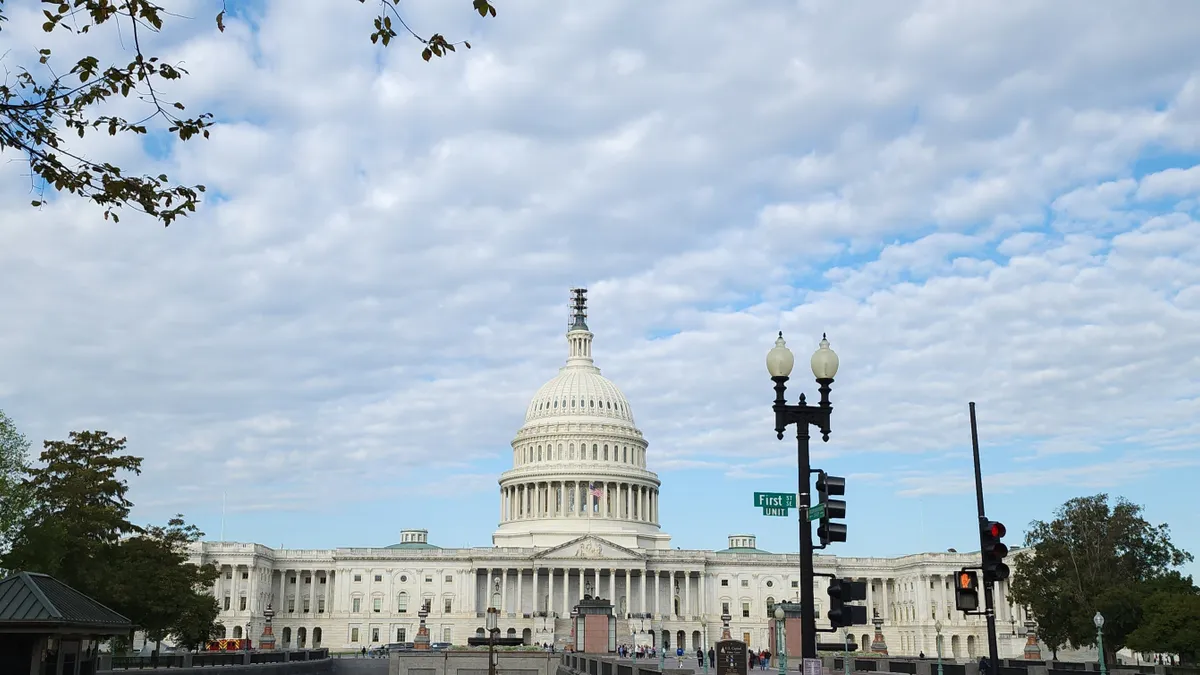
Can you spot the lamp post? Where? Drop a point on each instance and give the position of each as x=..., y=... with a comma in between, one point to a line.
x=937, y=627
x=493, y=626
x=704, y=643
x=246, y=642
x=824, y=366
x=846, y=653
x=662, y=647
x=780, y=640
x=1099, y=621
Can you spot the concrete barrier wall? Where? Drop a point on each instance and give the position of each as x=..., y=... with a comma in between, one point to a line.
x=322, y=667
x=471, y=663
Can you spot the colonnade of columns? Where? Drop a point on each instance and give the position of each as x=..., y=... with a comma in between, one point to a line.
x=580, y=499
x=555, y=589
x=924, y=598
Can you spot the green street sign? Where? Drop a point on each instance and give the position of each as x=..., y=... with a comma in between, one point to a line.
x=785, y=500
x=774, y=511
x=816, y=512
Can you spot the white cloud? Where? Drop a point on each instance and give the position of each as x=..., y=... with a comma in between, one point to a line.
x=381, y=286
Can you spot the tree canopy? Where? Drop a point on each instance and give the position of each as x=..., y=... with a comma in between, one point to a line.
x=77, y=529
x=14, y=501
x=43, y=106
x=1094, y=557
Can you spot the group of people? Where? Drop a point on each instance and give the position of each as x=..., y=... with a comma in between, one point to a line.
x=636, y=652
x=761, y=659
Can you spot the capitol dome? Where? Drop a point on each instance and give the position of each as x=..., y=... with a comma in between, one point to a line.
x=579, y=460
x=579, y=392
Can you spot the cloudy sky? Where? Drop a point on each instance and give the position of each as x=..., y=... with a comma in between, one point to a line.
x=987, y=201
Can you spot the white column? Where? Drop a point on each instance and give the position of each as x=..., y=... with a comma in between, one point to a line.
x=870, y=599
x=685, y=605
x=657, y=591
x=312, y=592
x=504, y=590
x=487, y=589
x=612, y=586
x=520, y=591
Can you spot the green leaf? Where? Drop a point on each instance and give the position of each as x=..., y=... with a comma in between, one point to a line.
x=427, y=53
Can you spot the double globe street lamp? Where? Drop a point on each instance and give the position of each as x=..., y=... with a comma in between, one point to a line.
x=824, y=367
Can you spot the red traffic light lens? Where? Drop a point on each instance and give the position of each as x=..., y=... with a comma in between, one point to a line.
x=997, y=530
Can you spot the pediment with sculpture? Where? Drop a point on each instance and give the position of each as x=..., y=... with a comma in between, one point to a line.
x=589, y=547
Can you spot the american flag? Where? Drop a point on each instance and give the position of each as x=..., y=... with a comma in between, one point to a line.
x=596, y=490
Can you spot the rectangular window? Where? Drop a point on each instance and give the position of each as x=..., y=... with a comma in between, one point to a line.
x=307, y=606
x=449, y=578
x=377, y=605
x=795, y=584
x=446, y=635
x=321, y=605
x=400, y=635
x=745, y=583
x=291, y=580
x=724, y=582
x=374, y=635
x=291, y=604
x=724, y=607
x=245, y=575
x=227, y=603
x=378, y=577
x=429, y=578
x=229, y=574
x=354, y=635
x=324, y=579
x=358, y=577
x=447, y=608
x=745, y=610
x=242, y=603
x=356, y=605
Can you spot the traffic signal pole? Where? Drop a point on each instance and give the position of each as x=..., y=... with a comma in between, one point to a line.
x=989, y=601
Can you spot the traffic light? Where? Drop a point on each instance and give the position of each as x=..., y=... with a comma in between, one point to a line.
x=842, y=591
x=833, y=508
x=966, y=591
x=994, y=550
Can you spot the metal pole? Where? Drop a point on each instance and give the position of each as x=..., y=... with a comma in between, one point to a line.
x=779, y=648
x=939, y=650
x=662, y=652
x=783, y=646
x=989, y=599
x=808, y=622
x=1100, y=647
x=846, y=654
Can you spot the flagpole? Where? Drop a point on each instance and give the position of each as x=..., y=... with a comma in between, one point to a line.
x=223, y=496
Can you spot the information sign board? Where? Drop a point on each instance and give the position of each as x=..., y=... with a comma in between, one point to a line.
x=732, y=658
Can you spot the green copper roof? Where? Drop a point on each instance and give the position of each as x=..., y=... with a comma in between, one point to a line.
x=742, y=549
x=413, y=545
x=28, y=599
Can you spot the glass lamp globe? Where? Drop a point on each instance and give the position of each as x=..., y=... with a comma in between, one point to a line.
x=1098, y=620
x=778, y=613
x=937, y=626
x=780, y=359
x=824, y=361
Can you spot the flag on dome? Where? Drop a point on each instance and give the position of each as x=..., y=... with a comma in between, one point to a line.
x=596, y=491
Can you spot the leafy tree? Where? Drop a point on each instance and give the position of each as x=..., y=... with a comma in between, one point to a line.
x=1170, y=624
x=197, y=622
x=1092, y=557
x=79, y=511
x=14, y=497
x=155, y=585
x=39, y=111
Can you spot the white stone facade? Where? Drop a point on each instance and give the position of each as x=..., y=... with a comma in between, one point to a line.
x=579, y=515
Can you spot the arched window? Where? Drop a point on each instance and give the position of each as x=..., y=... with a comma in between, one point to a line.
x=402, y=602
x=592, y=403
x=237, y=632
x=572, y=403
x=556, y=403
x=539, y=453
x=606, y=451
x=595, y=451
x=571, y=451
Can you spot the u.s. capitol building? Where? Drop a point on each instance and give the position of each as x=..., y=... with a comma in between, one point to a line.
x=578, y=515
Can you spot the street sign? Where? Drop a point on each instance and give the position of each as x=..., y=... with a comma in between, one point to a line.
x=812, y=666
x=774, y=511
x=785, y=500
x=816, y=512
x=731, y=657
